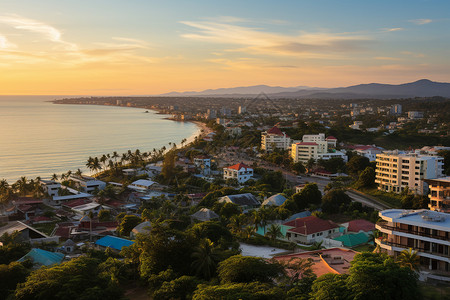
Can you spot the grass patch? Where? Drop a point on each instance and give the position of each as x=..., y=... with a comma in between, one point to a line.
x=391, y=199
x=46, y=228
x=434, y=292
x=364, y=248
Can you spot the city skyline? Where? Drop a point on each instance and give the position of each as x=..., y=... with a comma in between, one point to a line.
x=147, y=47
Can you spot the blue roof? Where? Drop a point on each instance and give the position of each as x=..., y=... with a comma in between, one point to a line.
x=42, y=257
x=302, y=214
x=277, y=200
x=114, y=242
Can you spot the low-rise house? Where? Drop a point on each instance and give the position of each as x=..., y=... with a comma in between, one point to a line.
x=353, y=239
x=240, y=172
x=275, y=200
x=41, y=258
x=204, y=214
x=310, y=230
x=88, y=184
x=141, y=185
x=142, y=228
x=359, y=225
x=27, y=233
x=50, y=187
x=113, y=242
x=245, y=201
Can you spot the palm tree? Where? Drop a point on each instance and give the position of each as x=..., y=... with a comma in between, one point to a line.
x=79, y=173
x=317, y=246
x=205, y=261
x=299, y=268
x=274, y=231
x=248, y=231
x=409, y=258
x=236, y=223
x=21, y=185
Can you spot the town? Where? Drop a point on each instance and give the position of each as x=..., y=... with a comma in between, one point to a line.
x=275, y=196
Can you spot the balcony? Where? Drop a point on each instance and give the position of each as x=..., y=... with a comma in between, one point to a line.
x=383, y=224
x=418, y=249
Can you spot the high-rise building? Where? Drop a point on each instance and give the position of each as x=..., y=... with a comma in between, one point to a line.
x=274, y=138
x=242, y=110
x=397, y=171
x=396, y=109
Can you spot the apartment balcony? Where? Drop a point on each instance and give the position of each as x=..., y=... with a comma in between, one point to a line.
x=388, y=245
x=420, y=235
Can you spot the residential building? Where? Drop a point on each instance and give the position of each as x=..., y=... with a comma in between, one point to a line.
x=425, y=231
x=415, y=115
x=275, y=200
x=87, y=184
x=396, y=109
x=304, y=151
x=369, y=151
x=113, y=242
x=274, y=138
x=240, y=171
x=242, y=110
x=439, y=194
x=234, y=131
x=202, y=161
x=51, y=187
x=141, y=185
x=205, y=214
x=397, y=171
x=333, y=154
x=332, y=141
x=310, y=229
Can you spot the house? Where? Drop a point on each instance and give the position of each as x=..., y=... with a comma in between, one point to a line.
x=50, y=187
x=369, y=151
x=27, y=233
x=41, y=258
x=310, y=229
x=87, y=184
x=204, y=163
x=204, y=214
x=274, y=138
x=85, y=209
x=240, y=172
x=141, y=185
x=332, y=141
x=113, y=242
x=359, y=225
x=142, y=228
x=245, y=201
x=275, y=200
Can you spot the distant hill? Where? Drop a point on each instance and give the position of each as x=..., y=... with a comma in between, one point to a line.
x=242, y=91
x=420, y=88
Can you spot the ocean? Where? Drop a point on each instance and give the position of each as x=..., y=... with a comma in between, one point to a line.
x=39, y=138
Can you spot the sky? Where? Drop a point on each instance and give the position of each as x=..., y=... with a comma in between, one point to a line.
x=145, y=47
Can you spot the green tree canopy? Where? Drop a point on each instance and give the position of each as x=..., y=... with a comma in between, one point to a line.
x=357, y=164
x=244, y=291
x=335, y=201
x=127, y=224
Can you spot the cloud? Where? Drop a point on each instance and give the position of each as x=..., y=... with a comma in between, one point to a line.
x=256, y=40
x=413, y=54
x=421, y=21
x=393, y=29
x=48, y=32
x=5, y=43
x=386, y=58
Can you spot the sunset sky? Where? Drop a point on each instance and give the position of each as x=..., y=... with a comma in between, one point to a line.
x=142, y=47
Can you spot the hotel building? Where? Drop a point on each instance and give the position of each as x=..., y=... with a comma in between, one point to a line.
x=439, y=194
x=425, y=231
x=397, y=171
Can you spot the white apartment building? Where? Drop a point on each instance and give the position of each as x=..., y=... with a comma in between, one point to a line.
x=424, y=231
x=304, y=151
x=240, y=171
x=88, y=184
x=335, y=154
x=274, y=138
x=397, y=171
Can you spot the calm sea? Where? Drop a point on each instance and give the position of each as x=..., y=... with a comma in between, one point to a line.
x=39, y=138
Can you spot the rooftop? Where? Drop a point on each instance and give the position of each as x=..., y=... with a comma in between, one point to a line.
x=360, y=225
x=246, y=199
x=239, y=166
x=42, y=258
x=114, y=242
x=310, y=225
x=275, y=130
x=307, y=144
x=421, y=218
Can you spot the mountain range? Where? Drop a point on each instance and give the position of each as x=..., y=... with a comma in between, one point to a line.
x=420, y=88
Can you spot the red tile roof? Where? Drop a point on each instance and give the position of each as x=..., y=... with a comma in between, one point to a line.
x=331, y=138
x=275, y=130
x=310, y=225
x=238, y=166
x=307, y=143
x=76, y=202
x=361, y=224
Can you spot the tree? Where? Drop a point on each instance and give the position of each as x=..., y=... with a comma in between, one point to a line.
x=104, y=215
x=127, y=224
x=335, y=200
x=298, y=268
x=212, y=230
x=298, y=167
x=366, y=178
x=245, y=291
x=79, y=278
x=357, y=164
x=245, y=269
x=10, y=276
x=410, y=259
x=274, y=231
x=180, y=288
x=378, y=276
x=331, y=286
x=205, y=261
x=310, y=194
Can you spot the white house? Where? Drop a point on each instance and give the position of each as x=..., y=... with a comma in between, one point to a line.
x=51, y=187
x=88, y=184
x=240, y=171
x=141, y=185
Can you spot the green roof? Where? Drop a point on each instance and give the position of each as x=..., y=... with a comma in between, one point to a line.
x=43, y=258
x=353, y=239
